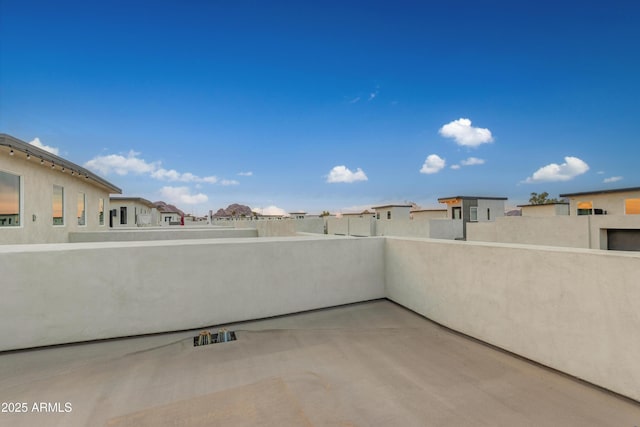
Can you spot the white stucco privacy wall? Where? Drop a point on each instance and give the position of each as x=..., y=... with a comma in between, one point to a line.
x=64, y=293
x=575, y=310
x=162, y=233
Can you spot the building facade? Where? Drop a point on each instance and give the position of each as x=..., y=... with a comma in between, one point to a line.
x=132, y=212
x=622, y=201
x=43, y=197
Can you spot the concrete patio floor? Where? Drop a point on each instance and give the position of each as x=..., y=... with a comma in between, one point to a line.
x=369, y=364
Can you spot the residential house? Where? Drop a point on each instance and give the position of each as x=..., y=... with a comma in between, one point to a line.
x=546, y=209
x=462, y=210
x=169, y=214
x=133, y=212
x=392, y=211
x=427, y=214
x=621, y=201
x=43, y=196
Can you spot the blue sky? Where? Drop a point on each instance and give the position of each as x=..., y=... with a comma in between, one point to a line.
x=328, y=105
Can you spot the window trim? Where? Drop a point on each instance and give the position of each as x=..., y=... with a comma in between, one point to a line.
x=84, y=212
x=123, y=218
x=101, y=220
x=455, y=209
x=64, y=223
x=625, y=205
x=20, y=201
x=471, y=210
x=589, y=209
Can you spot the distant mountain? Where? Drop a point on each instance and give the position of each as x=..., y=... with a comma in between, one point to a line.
x=165, y=207
x=234, y=210
x=513, y=212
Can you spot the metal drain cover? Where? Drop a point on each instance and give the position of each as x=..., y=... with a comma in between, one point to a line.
x=206, y=337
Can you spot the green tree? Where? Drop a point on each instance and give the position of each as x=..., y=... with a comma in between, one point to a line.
x=325, y=213
x=541, y=199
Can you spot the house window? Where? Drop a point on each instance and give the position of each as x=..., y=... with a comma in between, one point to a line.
x=388, y=214
x=488, y=214
x=82, y=214
x=9, y=199
x=473, y=213
x=101, y=211
x=632, y=206
x=585, y=208
x=123, y=215
x=456, y=212
x=58, y=205
x=378, y=215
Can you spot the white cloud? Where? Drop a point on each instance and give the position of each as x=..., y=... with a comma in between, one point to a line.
x=613, y=179
x=433, y=164
x=600, y=172
x=270, y=210
x=120, y=165
x=342, y=174
x=354, y=100
x=568, y=170
x=209, y=179
x=131, y=163
x=472, y=161
x=455, y=167
x=464, y=134
x=173, y=175
x=182, y=195
x=36, y=143
x=226, y=182
x=249, y=173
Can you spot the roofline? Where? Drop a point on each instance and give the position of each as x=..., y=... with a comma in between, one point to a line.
x=24, y=147
x=616, y=190
x=391, y=206
x=543, y=204
x=135, y=199
x=430, y=210
x=473, y=197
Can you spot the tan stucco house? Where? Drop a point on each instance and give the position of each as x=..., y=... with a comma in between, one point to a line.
x=392, y=211
x=132, y=212
x=546, y=209
x=621, y=201
x=43, y=196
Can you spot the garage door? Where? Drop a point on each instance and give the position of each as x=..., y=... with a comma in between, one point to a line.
x=623, y=240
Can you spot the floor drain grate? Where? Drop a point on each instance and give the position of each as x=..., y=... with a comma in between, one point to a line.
x=206, y=337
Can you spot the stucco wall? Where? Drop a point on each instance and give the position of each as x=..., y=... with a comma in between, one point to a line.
x=496, y=209
x=37, y=199
x=567, y=231
x=362, y=227
x=446, y=229
x=584, y=231
x=575, y=310
x=310, y=225
x=482, y=231
x=64, y=293
x=430, y=214
x=161, y=233
x=405, y=228
x=549, y=209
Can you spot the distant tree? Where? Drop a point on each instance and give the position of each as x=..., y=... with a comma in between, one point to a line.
x=325, y=213
x=541, y=199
